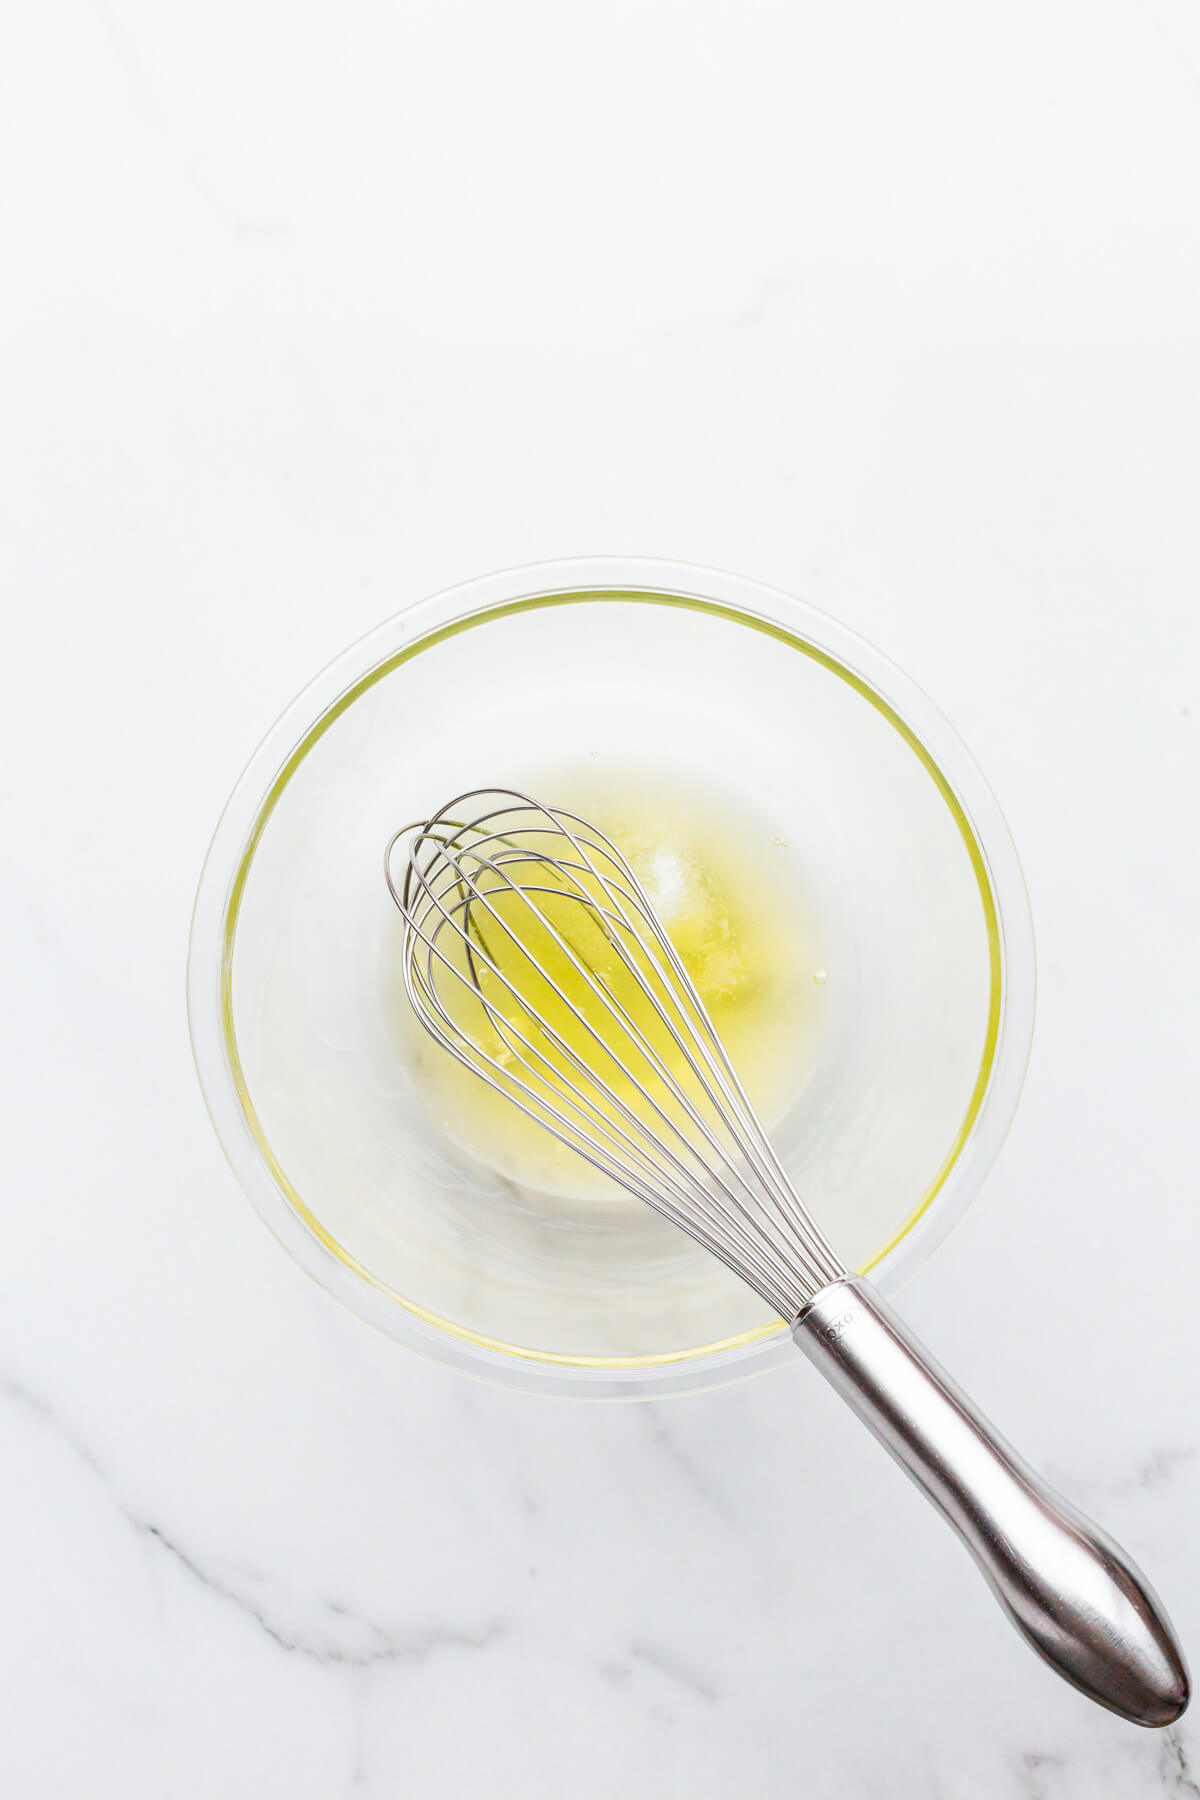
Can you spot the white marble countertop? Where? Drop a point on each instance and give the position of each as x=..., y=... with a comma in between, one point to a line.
x=308, y=311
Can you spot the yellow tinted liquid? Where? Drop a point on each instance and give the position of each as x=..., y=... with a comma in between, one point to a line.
x=728, y=893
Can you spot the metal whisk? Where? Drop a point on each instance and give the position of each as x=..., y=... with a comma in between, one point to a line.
x=532, y=954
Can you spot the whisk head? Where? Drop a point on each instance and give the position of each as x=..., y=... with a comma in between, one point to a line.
x=533, y=955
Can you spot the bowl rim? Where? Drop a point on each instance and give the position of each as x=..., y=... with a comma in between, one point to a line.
x=406, y=634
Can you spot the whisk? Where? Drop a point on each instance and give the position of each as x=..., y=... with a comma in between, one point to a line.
x=533, y=955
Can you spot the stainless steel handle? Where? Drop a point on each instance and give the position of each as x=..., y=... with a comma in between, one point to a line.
x=1069, y=1590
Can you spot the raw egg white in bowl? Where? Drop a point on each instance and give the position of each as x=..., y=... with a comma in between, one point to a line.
x=826, y=855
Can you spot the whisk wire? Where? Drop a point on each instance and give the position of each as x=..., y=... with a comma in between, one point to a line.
x=692, y=1146
x=508, y=1031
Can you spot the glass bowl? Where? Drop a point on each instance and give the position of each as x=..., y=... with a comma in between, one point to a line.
x=921, y=949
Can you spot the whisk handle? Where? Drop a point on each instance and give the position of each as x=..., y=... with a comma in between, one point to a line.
x=1067, y=1587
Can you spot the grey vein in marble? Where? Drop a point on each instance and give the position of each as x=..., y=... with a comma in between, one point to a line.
x=1176, y=1767
x=18, y=1395
x=382, y=1646
x=665, y=1663
x=364, y=1643
x=691, y=1472
x=145, y=105
x=1029, y=1770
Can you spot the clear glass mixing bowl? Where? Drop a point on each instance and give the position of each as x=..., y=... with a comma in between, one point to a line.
x=925, y=947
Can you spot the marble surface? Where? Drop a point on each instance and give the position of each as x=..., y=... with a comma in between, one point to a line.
x=308, y=311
